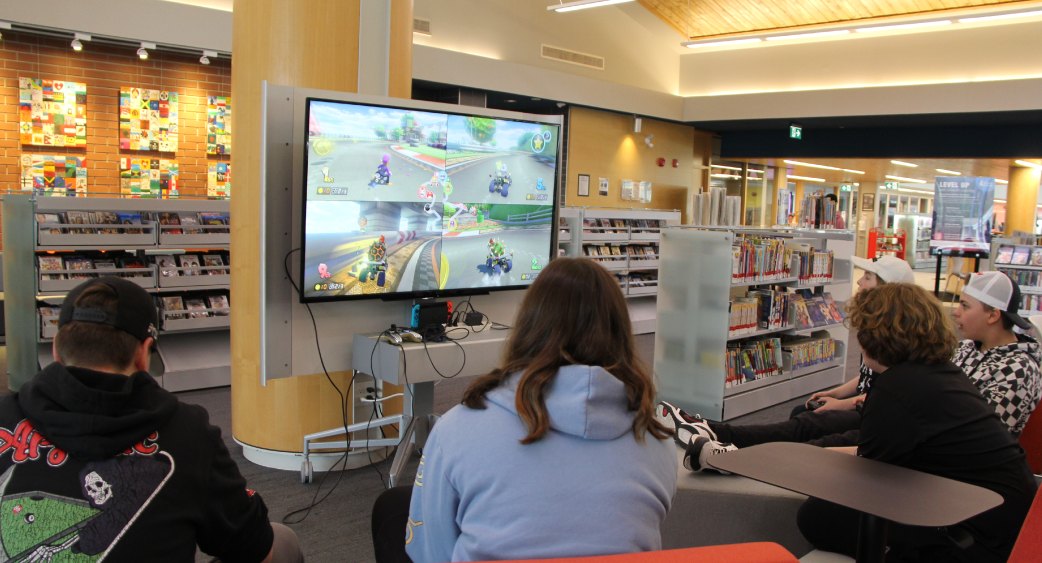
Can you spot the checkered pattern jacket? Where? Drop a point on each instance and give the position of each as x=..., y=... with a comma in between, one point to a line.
x=1008, y=377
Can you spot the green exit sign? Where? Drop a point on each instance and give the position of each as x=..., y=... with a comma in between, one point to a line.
x=846, y=187
x=795, y=132
x=893, y=185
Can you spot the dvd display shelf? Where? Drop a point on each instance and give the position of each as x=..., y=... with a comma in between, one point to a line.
x=693, y=319
x=592, y=227
x=193, y=352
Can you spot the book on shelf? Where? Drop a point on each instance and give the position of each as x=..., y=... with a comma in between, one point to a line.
x=170, y=219
x=42, y=218
x=1004, y=255
x=1036, y=256
x=809, y=351
x=79, y=263
x=214, y=218
x=77, y=218
x=105, y=264
x=188, y=220
x=214, y=260
x=750, y=360
x=801, y=312
x=48, y=263
x=1021, y=255
x=189, y=261
x=195, y=304
x=833, y=309
x=1026, y=279
x=218, y=302
x=167, y=265
x=773, y=308
x=759, y=259
x=50, y=314
x=130, y=219
x=105, y=218
x=172, y=303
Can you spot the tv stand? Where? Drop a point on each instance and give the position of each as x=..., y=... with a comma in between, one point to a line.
x=389, y=363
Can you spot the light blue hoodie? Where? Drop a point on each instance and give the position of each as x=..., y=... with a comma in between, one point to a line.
x=587, y=488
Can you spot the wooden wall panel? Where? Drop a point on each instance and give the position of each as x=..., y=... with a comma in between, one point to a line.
x=603, y=144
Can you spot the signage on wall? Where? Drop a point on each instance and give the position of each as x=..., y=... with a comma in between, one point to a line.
x=846, y=187
x=963, y=214
x=795, y=131
x=893, y=185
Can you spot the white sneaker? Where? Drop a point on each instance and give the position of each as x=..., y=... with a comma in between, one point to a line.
x=685, y=427
x=699, y=451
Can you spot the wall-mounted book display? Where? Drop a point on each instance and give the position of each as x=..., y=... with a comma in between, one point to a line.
x=148, y=177
x=218, y=125
x=147, y=120
x=219, y=179
x=52, y=113
x=54, y=175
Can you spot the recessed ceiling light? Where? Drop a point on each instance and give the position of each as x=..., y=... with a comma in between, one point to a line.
x=509, y=101
x=902, y=26
x=794, y=177
x=695, y=45
x=722, y=166
x=822, y=166
x=583, y=4
x=1002, y=17
x=902, y=163
x=805, y=35
x=901, y=179
x=1028, y=164
x=952, y=172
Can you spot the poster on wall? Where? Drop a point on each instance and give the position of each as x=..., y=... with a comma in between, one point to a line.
x=54, y=175
x=218, y=125
x=219, y=179
x=148, y=178
x=52, y=113
x=147, y=120
x=963, y=215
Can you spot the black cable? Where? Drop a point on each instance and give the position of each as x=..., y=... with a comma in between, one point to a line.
x=453, y=340
x=369, y=453
x=343, y=404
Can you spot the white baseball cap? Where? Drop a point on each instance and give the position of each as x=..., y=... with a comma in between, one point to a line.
x=997, y=290
x=890, y=269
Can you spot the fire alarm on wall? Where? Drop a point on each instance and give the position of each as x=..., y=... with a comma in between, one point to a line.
x=661, y=162
x=676, y=163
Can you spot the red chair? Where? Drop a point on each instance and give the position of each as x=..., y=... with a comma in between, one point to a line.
x=1028, y=548
x=737, y=553
x=1031, y=441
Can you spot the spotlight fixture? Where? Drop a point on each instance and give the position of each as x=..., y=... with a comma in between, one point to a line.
x=76, y=41
x=142, y=52
x=205, y=59
x=647, y=141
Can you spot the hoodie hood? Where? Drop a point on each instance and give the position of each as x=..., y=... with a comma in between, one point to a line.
x=94, y=415
x=1024, y=345
x=583, y=401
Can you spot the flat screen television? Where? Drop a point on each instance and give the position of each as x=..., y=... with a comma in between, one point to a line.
x=403, y=203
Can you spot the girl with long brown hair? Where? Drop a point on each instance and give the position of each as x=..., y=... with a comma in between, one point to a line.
x=556, y=452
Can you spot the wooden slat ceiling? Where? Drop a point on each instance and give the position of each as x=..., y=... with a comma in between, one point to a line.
x=876, y=169
x=721, y=18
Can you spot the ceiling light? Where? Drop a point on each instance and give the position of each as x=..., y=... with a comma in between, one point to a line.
x=901, y=163
x=722, y=166
x=1001, y=17
x=724, y=176
x=76, y=45
x=900, y=179
x=1028, y=164
x=997, y=181
x=141, y=52
x=822, y=166
x=77, y=38
x=794, y=177
x=205, y=59
x=583, y=4
x=695, y=45
x=952, y=172
x=510, y=101
x=913, y=191
x=902, y=26
x=805, y=35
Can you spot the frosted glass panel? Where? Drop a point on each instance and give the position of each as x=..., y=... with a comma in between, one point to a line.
x=694, y=288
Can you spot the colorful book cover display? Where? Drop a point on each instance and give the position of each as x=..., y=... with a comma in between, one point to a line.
x=218, y=125
x=147, y=120
x=52, y=113
x=219, y=179
x=148, y=177
x=54, y=175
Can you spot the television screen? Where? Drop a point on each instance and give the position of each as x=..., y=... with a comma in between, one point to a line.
x=405, y=203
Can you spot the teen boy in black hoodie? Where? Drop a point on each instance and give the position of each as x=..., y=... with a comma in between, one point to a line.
x=96, y=460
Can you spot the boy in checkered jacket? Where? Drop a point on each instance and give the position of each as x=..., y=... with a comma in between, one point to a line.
x=1002, y=364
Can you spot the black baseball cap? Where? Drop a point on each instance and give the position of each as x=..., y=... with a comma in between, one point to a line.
x=136, y=311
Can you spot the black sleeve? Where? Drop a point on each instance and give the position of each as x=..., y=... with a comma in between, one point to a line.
x=235, y=520
x=889, y=430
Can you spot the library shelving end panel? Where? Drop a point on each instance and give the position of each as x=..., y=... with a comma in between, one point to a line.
x=19, y=288
x=692, y=314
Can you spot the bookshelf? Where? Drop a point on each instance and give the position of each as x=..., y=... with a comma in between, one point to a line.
x=918, y=228
x=691, y=345
x=635, y=265
x=193, y=346
x=887, y=241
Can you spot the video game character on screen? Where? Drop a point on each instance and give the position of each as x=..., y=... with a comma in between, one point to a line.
x=373, y=267
x=500, y=180
x=498, y=260
x=382, y=176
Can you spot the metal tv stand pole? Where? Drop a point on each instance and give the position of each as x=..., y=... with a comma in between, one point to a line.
x=389, y=363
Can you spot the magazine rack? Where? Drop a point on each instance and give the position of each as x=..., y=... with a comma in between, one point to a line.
x=693, y=320
x=27, y=287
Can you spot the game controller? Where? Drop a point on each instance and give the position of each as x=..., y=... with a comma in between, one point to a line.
x=410, y=335
x=391, y=338
x=814, y=405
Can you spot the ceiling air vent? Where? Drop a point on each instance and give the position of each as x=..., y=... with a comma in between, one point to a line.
x=572, y=57
x=421, y=26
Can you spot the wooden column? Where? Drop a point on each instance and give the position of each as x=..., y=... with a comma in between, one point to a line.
x=1022, y=199
x=781, y=182
x=310, y=44
x=745, y=191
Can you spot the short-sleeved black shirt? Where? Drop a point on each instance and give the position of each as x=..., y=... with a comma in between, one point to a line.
x=931, y=418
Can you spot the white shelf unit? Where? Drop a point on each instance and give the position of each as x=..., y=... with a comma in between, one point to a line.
x=176, y=371
x=576, y=234
x=918, y=228
x=693, y=319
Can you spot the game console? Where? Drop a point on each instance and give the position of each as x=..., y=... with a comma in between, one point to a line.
x=426, y=314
